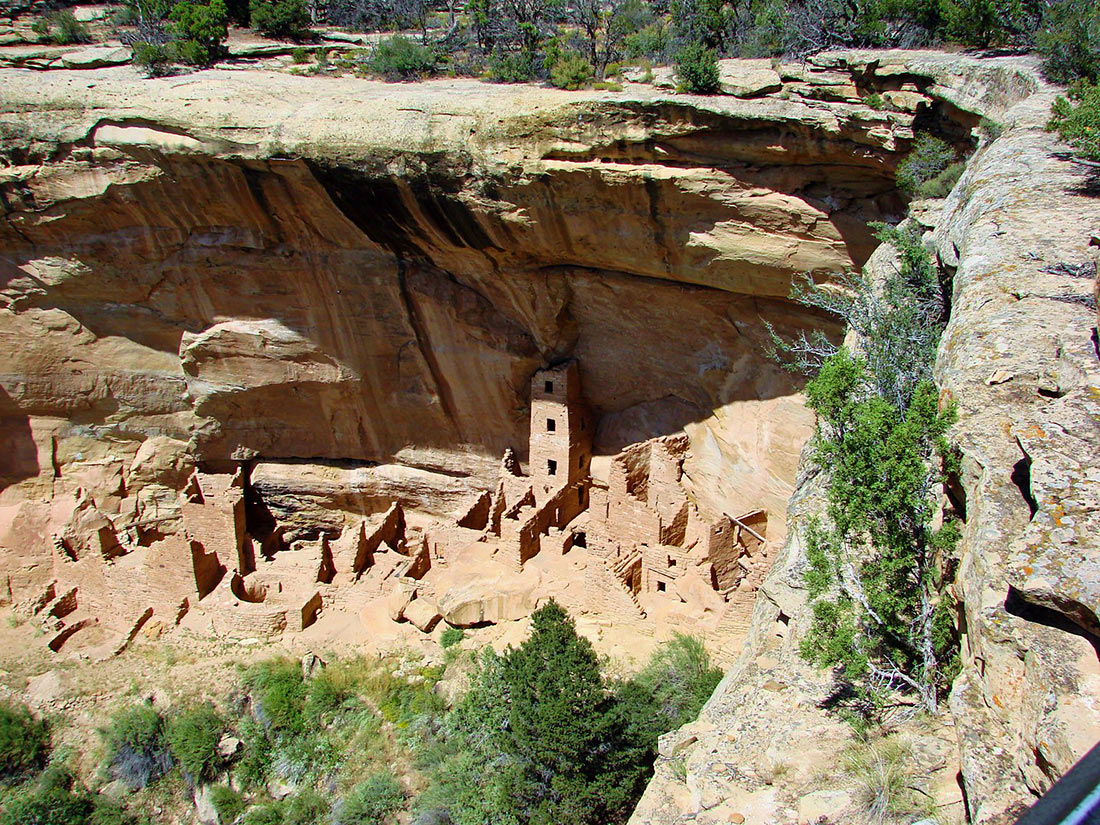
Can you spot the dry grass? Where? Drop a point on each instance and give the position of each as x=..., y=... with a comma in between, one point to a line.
x=888, y=785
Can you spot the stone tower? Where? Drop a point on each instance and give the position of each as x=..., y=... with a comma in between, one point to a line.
x=561, y=430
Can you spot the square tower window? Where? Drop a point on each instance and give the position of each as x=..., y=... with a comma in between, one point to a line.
x=551, y=467
x=549, y=386
x=671, y=561
x=551, y=425
x=660, y=587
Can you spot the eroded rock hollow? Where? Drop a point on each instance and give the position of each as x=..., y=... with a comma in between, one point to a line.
x=266, y=340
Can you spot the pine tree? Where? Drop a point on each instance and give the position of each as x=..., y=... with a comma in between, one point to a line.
x=543, y=739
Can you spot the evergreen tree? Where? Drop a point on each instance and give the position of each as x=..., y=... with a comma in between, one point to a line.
x=877, y=567
x=541, y=739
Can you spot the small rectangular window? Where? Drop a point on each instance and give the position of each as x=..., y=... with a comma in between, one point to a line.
x=660, y=587
x=549, y=386
x=551, y=467
x=671, y=561
x=580, y=463
x=551, y=425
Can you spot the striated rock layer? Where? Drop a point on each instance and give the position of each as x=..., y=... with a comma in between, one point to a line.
x=362, y=277
x=1020, y=359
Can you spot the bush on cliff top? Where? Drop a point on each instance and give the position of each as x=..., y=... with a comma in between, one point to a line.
x=400, y=58
x=1076, y=118
x=200, y=29
x=1070, y=41
x=927, y=160
x=697, y=69
x=282, y=19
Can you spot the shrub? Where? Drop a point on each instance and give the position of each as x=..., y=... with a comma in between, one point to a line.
x=883, y=771
x=152, y=58
x=928, y=158
x=278, y=693
x=1070, y=41
x=55, y=799
x=697, y=69
x=875, y=101
x=370, y=802
x=941, y=185
x=652, y=41
x=24, y=742
x=1076, y=118
x=512, y=67
x=66, y=29
x=125, y=15
x=987, y=23
x=254, y=764
x=538, y=738
x=227, y=803
x=405, y=702
x=450, y=637
x=324, y=698
x=399, y=58
x=201, y=29
x=138, y=753
x=193, y=737
x=56, y=775
x=705, y=22
x=282, y=19
x=301, y=56
x=109, y=812
x=303, y=808
x=991, y=129
x=50, y=806
x=571, y=71
x=680, y=680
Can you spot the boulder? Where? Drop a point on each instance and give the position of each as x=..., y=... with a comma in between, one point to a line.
x=96, y=57
x=47, y=689
x=424, y=614
x=813, y=806
x=228, y=747
x=487, y=602
x=311, y=664
x=398, y=601
x=748, y=78
x=88, y=14
x=205, y=812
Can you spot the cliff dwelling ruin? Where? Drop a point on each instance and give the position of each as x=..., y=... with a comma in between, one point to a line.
x=618, y=538
x=260, y=393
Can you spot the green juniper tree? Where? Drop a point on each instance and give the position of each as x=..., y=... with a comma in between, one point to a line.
x=541, y=737
x=875, y=564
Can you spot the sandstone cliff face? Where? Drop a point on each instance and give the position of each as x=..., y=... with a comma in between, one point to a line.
x=1020, y=358
x=332, y=270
